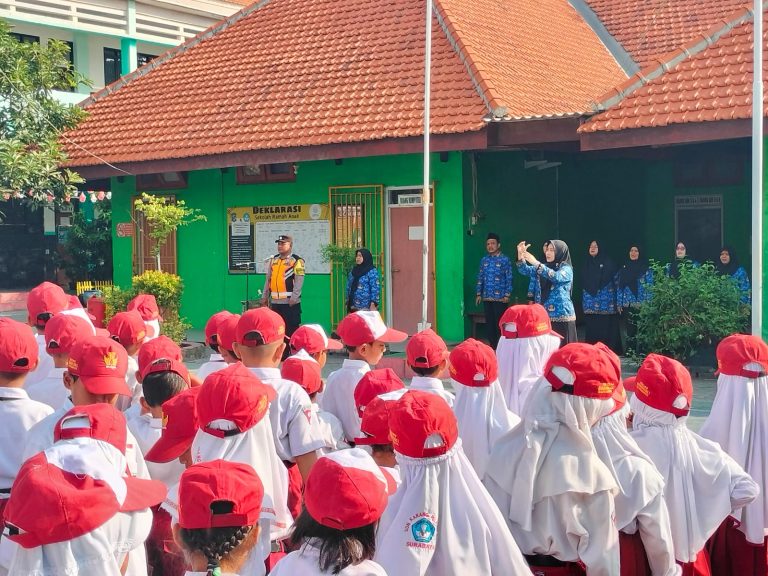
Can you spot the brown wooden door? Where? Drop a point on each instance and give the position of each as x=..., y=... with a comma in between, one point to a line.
x=143, y=259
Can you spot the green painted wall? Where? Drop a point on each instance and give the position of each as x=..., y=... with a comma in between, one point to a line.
x=202, y=246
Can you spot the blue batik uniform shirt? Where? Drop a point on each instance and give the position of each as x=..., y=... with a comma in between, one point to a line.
x=494, y=280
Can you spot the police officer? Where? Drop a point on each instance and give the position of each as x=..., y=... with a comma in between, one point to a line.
x=285, y=276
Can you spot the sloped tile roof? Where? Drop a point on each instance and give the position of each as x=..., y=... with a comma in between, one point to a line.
x=290, y=73
x=703, y=83
x=649, y=28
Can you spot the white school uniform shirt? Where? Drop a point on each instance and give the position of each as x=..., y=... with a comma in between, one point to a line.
x=147, y=431
x=306, y=561
x=521, y=364
x=44, y=364
x=433, y=386
x=18, y=414
x=640, y=504
x=214, y=364
x=124, y=403
x=50, y=390
x=294, y=423
x=738, y=422
x=550, y=485
x=703, y=484
x=330, y=429
x=339, y=396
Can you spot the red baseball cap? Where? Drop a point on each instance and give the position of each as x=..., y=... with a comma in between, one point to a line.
x=228, y=332
x=101, y=363
x=312, y=338
x=345, y=490
x=45, y=300
x=127, y=328
x=372, y=384
x=582, y=370
x=664, y=384
x=473, y=363
x=212, y=327
x=204, y=485
x=63, y=331
x=419, y=417
x=375, y=424
x=146, y=306
x=233, y=394
x=620, y=393
x=426, y=349
x=166, y=365
x=179, y=427
x=160, y=347
x=260, y=326
x=736, y=351
x=526, y=321
x=97, y=421
x=18, y=348
x=366, y=326
x=304, y=370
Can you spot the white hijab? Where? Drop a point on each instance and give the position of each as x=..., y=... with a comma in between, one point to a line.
x=701, y=480
x=738, y=422
x=483, y=418
x=442, y=521
x=521, y=364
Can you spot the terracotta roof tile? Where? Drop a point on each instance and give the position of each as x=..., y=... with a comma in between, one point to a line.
x=713, y=83
x=647, y=28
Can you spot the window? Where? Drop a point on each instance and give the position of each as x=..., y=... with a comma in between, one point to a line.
x=112, y=65
x=26, y=38
x=699, y=225
x=63, y=84
x=161, y=181
x=258, y=173
x=143, y=59
x=348, y=225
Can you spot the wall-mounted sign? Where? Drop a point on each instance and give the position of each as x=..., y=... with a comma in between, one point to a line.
x=124, y=229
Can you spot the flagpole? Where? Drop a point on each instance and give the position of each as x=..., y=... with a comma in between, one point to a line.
x=426, y=188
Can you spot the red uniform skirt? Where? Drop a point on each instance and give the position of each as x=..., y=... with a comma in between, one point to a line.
x=163, y=556
x=699, y=567
x=731, y=555
x=634, y=561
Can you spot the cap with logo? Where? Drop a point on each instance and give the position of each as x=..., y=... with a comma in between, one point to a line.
x=127, y=328
x=304, y=370
x=228, y=332
x=44, y=301
x=284, y=238
x=18, y=348
x=426, y=349
x=422, y=425
x=100, y=363
x=526, y=321
x=375, y=422
x=346, y=490
x=160, y=347
x=63, y=331
x=664, y=384
x=312, y=338
x=581, y=370
x=146, y=306
x=179, y=426
x=212, y=327
x=233, y=394
x=737, y=351
x=373, y=383
x=473, y=363
x=620, y=393
x=366, y=326
x=260, y=326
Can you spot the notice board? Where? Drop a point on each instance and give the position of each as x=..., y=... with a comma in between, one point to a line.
x=252, y=231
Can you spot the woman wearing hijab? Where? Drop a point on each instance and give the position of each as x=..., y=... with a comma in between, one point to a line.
x=633, y=280
x=554, y=284
x=599, y=299
x=729, y=266
x=681, y=260
x=363, y=288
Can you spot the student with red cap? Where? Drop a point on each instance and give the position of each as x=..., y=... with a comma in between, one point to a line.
x=345, y=496
x=303, y=369
x=232, y=412
x=312, y=339
x=216, y=361
x=73, y=508
x=61, y=333
x=441, y=520
x=129, y=330
x=546, y=476
x=220, y=504
x=738, y=421
x=146, y=306
x=527, y=341
x=480, y=408
x=44, y=301
x=375, y=383
x=374, y=430
x=704, y=485
x=427, y=356
x=227, y=336
x=365, y=336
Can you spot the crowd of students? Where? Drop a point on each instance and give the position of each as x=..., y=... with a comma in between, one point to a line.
x=116, y=460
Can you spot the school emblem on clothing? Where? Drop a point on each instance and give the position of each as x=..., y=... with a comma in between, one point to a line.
x=422, y=528
x=423, y=531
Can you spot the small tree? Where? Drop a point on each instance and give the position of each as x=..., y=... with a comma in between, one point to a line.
x=164, y=216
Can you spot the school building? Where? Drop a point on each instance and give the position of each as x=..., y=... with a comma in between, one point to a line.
x=615, y=120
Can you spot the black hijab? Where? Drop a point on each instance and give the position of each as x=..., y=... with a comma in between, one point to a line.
x=358, y=271
x=562, y=256
x=598, y=272
x=730, y=268
x=632, y=271
x=674, y=266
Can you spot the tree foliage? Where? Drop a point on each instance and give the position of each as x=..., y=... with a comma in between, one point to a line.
x=88, y=249
x=31, y=120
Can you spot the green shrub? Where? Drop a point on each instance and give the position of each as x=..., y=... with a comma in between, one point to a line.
x=684, y=314
x=343, y=256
